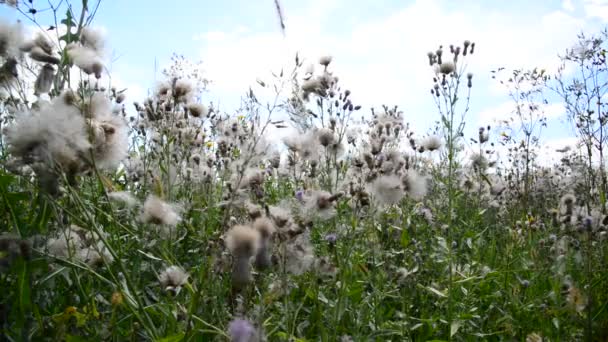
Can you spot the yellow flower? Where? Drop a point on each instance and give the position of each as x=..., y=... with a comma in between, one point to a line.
x=241, y=117
x=117, y=298
x=209, y=144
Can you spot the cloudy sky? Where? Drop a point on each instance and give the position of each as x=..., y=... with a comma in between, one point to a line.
x=379, y=47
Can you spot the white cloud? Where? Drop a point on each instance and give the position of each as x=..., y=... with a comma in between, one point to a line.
x=383, y=60
x=596, y=9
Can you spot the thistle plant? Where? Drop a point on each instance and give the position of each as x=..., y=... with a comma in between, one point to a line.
x=448, y=81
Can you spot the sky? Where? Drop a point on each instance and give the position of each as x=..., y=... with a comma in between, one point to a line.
x=379, y=47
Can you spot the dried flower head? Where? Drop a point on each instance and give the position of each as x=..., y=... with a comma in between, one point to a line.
x=44, y=81
x=415, y=185
x=11, y=38
x=431, y=143
x=93, y=39
x=124, y=197
x=265, y=226
x=387, y=190
x=197, y=110
x=447, y=67
x=242, y=241
x=86, y=59
x=325, y=60
x=157, y=211
x=173, y=278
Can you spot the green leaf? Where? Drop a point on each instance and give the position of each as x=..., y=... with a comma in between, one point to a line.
x=173, y=338
x=454, y=327
x=24, y=289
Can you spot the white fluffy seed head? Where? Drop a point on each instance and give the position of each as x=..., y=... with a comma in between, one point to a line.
x=93, y=38
x=157, y=211
x=86, y=59
x=415, y=185
x=431, y=143
x=243, y=241
x=197, y=110
x=173, y=277
x=55, y=134
x=387, y=189
x=264, y=226
x=123, y=197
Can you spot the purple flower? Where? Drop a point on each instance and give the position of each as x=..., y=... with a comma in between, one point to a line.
x=300, y=195
x=241, y=330
x=331, y=238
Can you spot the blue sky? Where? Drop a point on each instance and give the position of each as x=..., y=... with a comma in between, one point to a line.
x=379, y=47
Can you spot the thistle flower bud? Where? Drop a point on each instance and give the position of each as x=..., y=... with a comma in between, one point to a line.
x=431, y=57
x=120, y=98
x=466, y=47
x=439, y=53
x=470, y=79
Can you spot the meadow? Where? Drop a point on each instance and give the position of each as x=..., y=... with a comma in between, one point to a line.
x=172, y=220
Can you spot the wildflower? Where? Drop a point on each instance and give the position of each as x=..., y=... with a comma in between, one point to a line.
x=123, y=197
x=534, y=337
x=109, y=133
x=241, y=330
x=117, y=298
x=479, y=162
x=325, y=60
x=326, y=137
x=95, y=256
x=67, y=243
x=414, y=184
x=45, y=80
x=431, y=143
x=266, y=229
x=93, y=39
x=576, y=299
x=86, y=59
x=280, y=216
x=299, y=255
x=331, y=238
x=54, y=135
x=484, y=135
x=447, y=68
x=320, y=204
x=157, y=211
x=120, y=97
x=197, y=110
x=11, y=37
x=387, y=190
x=243, y=242
x=173, y=278
x=567, y=204
x=182, y=90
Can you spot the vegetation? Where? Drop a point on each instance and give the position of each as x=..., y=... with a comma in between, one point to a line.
x=174, y=220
